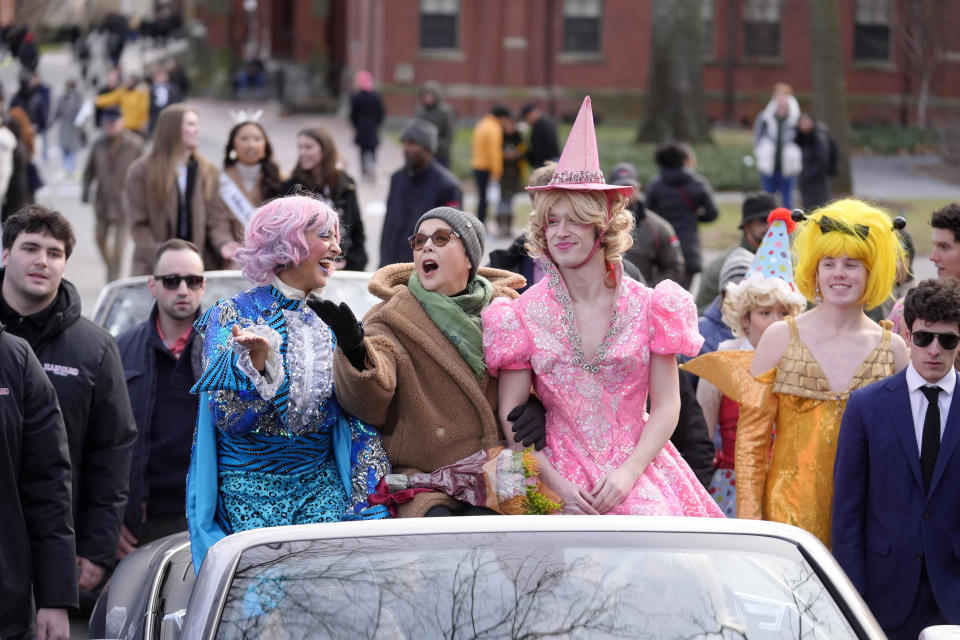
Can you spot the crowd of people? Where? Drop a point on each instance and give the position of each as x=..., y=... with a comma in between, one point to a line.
x=278, y=406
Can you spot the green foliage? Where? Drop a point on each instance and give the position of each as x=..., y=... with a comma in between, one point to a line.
x=720, y=163
x=536, y=503
x=539, y=504
x=890, y=140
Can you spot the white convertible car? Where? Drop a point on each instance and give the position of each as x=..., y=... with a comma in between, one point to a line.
x=490, y=577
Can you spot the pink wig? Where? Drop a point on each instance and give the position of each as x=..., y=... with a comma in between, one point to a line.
x=276, y=237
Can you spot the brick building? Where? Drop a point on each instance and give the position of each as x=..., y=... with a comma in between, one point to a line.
x=302, y=39
x=555, y=51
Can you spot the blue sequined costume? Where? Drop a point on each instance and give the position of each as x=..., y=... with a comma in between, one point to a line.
x=274, y=449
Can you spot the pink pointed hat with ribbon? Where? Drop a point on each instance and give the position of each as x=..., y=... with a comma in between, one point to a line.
x=579, y=166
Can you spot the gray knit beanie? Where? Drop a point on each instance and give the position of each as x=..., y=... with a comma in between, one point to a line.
x=472, y=233
x=735, y=267
x=422, y=133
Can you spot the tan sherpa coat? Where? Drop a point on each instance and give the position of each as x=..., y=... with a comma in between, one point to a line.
x=416, y=388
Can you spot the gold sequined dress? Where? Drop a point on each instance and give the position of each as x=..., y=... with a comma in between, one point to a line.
x=797, y=485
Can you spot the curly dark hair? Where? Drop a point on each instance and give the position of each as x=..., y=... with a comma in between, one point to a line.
x=35, y=218
x=272, y=185
x=933, y=300
x=947, y=217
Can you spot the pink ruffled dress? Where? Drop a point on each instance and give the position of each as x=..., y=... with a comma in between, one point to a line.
x=596, y=410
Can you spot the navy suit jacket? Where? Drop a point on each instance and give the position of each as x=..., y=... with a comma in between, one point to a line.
x=883, y=523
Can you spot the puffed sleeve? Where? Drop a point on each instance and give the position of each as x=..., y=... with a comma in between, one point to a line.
x=506, y=342
x=227, y=365
x=673, y=321
x=228, y=376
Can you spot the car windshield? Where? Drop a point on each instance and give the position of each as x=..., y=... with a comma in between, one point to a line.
x=531, y=585
x=127, y=303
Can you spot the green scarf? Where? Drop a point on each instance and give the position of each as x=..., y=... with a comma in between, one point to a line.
x=458, y=317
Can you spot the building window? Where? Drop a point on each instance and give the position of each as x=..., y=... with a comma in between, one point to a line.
x=871, y=30
x=582, y=20
x=438, y=24
x=706, y=17
x=761, y=28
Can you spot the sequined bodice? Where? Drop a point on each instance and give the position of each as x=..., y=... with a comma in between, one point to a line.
x=306, y=349
x=799, y=373
x=599, y=406
x=604, y=399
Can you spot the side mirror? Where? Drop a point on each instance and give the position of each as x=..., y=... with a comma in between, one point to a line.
x=941, y=632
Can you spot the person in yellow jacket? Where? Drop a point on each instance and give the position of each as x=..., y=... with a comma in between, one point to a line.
x=133, y=98
x=486, y=153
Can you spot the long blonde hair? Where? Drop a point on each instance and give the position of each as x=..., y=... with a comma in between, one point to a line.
x=164, y=157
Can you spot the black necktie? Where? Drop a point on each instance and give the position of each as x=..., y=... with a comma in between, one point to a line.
x=930, y=442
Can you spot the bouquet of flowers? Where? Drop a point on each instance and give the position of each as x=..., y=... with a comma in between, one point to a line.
x=500, y=479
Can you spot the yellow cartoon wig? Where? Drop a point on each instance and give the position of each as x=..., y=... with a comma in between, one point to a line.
x=853, y=228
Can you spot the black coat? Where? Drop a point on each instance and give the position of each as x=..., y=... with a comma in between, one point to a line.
x=684, y=199
x=515, y=258
x=137, y=348
x=544, y=145
x=411, y=196
x=691, y=437
x=344, y=199
x=366, y=115
x=83, y=363
x=814, y=180
x=35, y=101
x=36, y=538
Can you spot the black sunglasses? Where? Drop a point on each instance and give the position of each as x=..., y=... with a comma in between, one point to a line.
x=172, y=281
x=948, y=341
x=440, y=237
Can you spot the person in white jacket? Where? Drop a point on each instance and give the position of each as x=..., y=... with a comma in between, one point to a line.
x=8, y=142
x=779, y=159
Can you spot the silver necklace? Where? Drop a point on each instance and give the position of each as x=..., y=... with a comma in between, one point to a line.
x=568, y=317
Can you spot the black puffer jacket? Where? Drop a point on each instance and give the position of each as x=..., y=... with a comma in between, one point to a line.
x=684, y=199
x=815, y=177
x=36, y=543
x=83, y=363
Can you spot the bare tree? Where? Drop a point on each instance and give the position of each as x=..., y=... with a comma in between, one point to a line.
x=829, y=94
x=675, y=102
x=919, y=30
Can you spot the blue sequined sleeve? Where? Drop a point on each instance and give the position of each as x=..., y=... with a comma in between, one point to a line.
x=235, y=405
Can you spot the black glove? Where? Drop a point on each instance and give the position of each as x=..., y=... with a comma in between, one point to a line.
x=529, y=423
x=343, y=323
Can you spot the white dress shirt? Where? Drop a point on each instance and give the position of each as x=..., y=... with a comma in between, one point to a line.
x=918, y=401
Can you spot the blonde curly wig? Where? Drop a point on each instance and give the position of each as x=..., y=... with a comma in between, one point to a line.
x=586, y=207
x=754, y=292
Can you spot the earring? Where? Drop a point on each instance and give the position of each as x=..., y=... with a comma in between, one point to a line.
x=233, y=154
x=817, y=294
